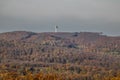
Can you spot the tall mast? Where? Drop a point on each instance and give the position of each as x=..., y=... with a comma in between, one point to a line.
x=56, y=28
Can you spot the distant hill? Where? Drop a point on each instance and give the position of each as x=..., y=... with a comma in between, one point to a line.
x=27, y=45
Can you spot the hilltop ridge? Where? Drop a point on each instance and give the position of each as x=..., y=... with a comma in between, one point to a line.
x=19, y=43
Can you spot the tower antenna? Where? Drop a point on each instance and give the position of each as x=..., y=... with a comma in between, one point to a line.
x=56, y=28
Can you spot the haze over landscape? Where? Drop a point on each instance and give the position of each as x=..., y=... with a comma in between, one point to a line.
x=59, y=39
x=69, y=15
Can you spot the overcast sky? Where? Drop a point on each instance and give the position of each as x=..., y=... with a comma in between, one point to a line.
x=69, y=15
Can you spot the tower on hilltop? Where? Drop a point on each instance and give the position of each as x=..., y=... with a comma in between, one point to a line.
x=56, y=28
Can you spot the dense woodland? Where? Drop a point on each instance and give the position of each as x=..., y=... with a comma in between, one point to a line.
x=59, y=56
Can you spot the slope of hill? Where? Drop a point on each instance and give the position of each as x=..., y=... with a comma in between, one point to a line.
x=84, y=53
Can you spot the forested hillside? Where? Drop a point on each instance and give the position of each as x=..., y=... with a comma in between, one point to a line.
x=59, y=56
